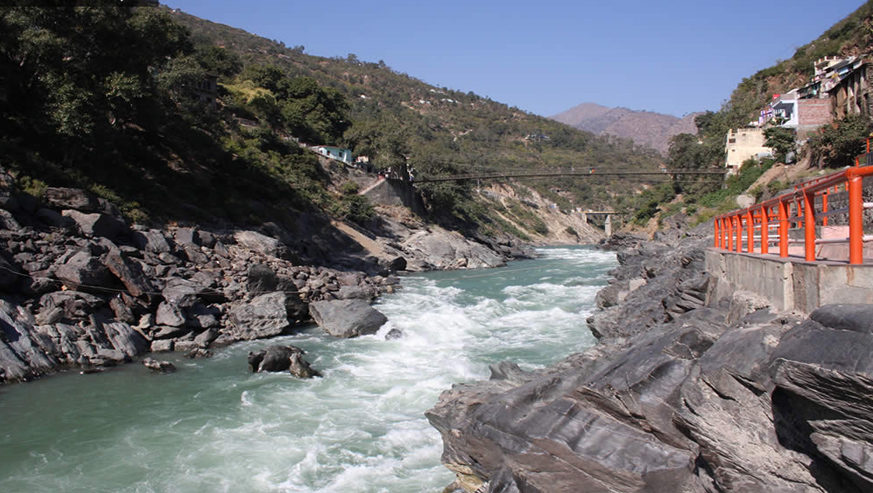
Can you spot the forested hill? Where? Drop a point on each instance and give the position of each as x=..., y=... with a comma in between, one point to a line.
x=111, y=99
x=397, y=118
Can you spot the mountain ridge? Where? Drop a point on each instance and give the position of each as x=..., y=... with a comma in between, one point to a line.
x=646, y=128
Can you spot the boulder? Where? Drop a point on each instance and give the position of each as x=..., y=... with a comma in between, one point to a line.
x=394, y=333
x=346, y=318
x=281, y=358
x=125, y=339
x=449, y=250
x=259, y=243
x=853, y=317
x=169, y=315
x=152, y=241
x=159, y=366
x=121, y=311
x=129, y=272
x=200, y=316
x=198, y=353
x=396, y=264
x=8, y=222
x=261, y=279
x=205, y=338
x=169, y=332
x=97, y=224
x=84, y=271
x=205, y=238
x=71, y=198
x=75, y=304
x=264, y=316
x=163, y=346
x=187, y=236
x=184, y=293
x=356, y=293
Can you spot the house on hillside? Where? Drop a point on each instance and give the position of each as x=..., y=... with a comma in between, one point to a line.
x=742, y=144
x=802, y=114
x=206, y=90
x=807, y=108
x=850, y=95
x=340, y=154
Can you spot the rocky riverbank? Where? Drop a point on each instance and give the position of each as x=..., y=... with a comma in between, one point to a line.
x=81, y=288
x=682, y=393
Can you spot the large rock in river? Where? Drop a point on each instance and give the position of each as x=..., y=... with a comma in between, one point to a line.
x=281, y=358
x=347, y=318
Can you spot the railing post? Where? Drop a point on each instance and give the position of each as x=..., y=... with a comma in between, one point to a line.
x=824, y=206
x=750, y=232
x=739, y=240
x=729, y=232
x=716, y=233
x=856, y=211
x=765, y=239
x=809, y=224
x=783, y=228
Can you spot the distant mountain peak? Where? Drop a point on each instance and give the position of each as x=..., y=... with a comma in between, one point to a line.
x=643, y=127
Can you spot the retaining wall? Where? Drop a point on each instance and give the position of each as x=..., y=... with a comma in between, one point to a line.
x=789, y=283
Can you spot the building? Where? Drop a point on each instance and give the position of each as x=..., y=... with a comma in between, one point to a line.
x=742, y=144
x=344, y=155
x=851, y=94
x=206, y=90
x=801, y=114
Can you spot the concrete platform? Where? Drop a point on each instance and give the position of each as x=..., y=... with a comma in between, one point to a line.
x=790, y=283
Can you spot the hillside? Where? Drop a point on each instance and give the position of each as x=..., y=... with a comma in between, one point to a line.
x=398, y=119
x=832, y=146
x=137, y=123
x=643, y=127
x=851, y=36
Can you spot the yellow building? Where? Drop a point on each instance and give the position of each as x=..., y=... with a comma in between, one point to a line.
x=742, y=144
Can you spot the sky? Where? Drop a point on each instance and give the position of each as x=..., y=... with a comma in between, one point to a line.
x=546, y=56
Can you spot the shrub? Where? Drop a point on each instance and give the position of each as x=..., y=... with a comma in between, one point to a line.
x=837, y=145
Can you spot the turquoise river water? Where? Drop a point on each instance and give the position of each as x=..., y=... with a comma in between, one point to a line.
x=212, y=426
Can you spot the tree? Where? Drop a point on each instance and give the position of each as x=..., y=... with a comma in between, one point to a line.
x=781, y=140
x=219, y=61
x=73, y=73
x=686, y=152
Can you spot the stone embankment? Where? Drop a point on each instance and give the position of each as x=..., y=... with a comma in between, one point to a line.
x=682, y=393
x=80, y=288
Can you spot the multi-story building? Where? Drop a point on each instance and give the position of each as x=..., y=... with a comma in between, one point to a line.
x=850, y=95
x=743, y=144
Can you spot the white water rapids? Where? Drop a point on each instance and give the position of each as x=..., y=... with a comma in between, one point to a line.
x=212, y=426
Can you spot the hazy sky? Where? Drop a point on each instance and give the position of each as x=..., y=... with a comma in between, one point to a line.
x=547, y=56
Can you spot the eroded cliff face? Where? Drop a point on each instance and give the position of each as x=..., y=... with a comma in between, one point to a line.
x=681, y=394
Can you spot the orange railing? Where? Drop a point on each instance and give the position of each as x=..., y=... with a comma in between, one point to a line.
x=755, y=229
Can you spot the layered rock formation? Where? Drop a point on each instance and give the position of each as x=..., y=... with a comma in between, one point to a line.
x=682, y=394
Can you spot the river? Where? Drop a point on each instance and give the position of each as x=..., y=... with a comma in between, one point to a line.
x=212, y=426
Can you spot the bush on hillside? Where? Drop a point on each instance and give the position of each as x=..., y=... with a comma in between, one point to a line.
x=837, y=145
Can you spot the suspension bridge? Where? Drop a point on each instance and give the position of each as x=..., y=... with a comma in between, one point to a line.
x=559, y=173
